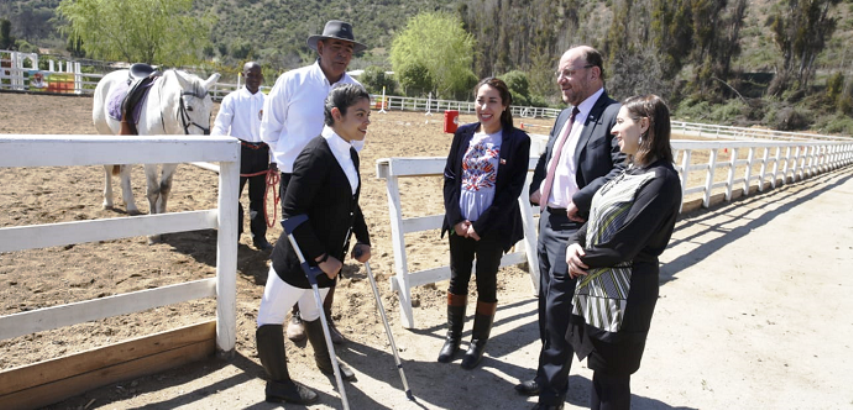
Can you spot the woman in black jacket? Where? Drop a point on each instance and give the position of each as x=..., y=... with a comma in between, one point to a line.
x=615, y=254
x=325, y=186
x=484, y=176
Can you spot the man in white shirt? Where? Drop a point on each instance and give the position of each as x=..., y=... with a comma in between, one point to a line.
x=240, y=116
x=293, y=115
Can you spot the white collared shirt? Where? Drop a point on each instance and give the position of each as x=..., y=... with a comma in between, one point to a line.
x=340, y=148
x=293, y=112
x=240, y=115
x=565, y=184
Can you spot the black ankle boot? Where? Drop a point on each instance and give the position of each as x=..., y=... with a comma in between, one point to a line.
x=270, y=343
x=455, y=323
x=483, y=320
x=314, y=330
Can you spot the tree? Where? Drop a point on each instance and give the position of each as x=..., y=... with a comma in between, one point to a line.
x=519, y=87
x=374, y=79
x=6, y=39
x=434, y=46
x=801, y=30
x=150, y=31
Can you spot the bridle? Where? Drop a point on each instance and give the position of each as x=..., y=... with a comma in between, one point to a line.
x=186, y=121
x=183, y=114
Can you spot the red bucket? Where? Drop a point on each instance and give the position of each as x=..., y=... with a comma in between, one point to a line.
x=451, y=121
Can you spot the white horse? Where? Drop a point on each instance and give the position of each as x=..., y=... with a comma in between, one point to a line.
x=177, y=103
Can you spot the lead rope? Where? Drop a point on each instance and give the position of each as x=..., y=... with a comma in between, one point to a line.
x=272, y=179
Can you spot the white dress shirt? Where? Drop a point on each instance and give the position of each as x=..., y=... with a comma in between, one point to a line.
x=340, y=148
x=565, y=184
x=240, y=115
x=293, y=112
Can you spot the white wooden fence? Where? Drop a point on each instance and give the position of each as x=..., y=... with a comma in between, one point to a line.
x=741, y=133
x=777, y=163
x=431, y=105
x=83, y=150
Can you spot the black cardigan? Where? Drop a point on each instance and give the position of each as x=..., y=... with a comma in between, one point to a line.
x=503, y=217
x=319, y=188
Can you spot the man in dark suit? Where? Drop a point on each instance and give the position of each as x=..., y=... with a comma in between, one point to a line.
x=580, y=157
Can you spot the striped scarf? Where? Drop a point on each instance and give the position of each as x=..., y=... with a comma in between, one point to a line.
x=601, y=296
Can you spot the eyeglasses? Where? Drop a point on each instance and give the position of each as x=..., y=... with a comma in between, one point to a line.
x=570, y=72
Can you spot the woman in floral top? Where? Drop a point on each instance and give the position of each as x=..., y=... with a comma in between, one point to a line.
x=484, y=176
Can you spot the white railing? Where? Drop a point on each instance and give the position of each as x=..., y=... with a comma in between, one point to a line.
x=702, y=169
x=776, y=163
x=742, y=133
x=391, y=169
x=83, y=150
x=431, y=105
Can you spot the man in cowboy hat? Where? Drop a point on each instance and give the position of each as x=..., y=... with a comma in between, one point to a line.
x=293, y=115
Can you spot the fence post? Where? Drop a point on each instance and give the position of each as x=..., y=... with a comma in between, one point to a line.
x=730, y=181
x=709, y=181
x=763, y=170
x=400, y=281
x=226, y=257
x=748, y=172
x=685, y=172
x=529, y=227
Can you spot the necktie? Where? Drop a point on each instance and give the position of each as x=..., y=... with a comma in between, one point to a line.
x=555, y=159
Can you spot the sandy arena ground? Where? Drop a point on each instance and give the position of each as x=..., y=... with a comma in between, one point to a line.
x=752, y=312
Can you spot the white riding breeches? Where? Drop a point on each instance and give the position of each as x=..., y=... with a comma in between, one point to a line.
x=280, y=296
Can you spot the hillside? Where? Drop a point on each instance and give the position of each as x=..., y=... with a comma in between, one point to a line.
x=529, y=35
x=274, y=31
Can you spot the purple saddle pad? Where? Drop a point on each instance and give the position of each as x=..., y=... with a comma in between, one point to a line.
x=117, y=95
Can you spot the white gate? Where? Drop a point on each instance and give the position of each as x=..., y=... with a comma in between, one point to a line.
x=394, y=168
x=765, y=163
x=81, y=150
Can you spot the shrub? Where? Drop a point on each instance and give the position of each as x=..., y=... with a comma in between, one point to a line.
x=836, y=124
x=789, y=119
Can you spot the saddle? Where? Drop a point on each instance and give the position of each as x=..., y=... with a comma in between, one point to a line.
x=139, y=80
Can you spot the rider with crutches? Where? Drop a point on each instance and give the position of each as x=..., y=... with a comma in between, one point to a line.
x=324, y=186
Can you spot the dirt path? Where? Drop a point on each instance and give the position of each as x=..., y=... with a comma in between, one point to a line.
x=752, y=311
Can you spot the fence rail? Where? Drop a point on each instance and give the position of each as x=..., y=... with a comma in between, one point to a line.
x=706, y=169
x=83, y=150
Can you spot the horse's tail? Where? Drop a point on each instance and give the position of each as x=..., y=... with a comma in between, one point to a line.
x=116, y=169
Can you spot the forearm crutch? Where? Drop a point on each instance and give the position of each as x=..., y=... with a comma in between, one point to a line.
x=312, y=272
x=409, y=394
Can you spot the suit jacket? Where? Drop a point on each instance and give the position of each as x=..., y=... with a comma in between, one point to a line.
x=597, y=155
x=319, y=188
x=503, y=217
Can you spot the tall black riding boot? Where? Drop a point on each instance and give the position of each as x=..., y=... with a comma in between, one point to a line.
x=314, y=330
x=455, y=322
x=270, y=342
x=483, y=320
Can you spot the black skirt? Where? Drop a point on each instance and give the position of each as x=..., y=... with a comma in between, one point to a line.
x=619, y=352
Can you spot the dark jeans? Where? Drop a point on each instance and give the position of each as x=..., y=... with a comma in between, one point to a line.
x=488, y=253
x=556, y=290
x=253, y=161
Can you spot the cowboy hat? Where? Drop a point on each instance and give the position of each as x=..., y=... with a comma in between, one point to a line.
x=338, y=30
